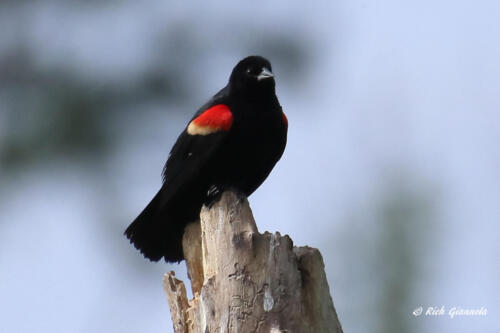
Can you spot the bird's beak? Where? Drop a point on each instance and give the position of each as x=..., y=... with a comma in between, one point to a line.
x=265, y=74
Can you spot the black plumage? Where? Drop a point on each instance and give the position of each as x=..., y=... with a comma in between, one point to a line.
x=232, y=142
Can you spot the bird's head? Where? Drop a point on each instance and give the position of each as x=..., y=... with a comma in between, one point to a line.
x=252, y=75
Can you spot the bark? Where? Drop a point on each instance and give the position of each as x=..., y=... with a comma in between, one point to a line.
x=244, y=281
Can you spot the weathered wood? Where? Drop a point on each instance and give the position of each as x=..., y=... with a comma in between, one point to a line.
x=244, y=281
x=191, y=246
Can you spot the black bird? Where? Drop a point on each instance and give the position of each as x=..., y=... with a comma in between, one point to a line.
x=232, y=142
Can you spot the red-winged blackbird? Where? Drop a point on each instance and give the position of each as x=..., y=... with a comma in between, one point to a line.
x=232, y=142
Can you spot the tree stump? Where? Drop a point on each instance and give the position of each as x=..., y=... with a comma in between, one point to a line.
x=244, y=281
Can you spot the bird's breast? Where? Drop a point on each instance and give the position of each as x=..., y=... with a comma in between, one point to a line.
x=256, y=142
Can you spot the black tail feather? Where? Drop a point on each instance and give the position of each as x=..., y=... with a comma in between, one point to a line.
x=156, y=233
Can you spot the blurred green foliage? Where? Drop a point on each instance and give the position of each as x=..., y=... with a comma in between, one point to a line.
x=56, y=112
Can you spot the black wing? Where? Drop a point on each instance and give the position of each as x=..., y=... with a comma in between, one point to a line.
x=191, y=153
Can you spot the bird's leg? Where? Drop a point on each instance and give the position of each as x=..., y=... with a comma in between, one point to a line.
x=213, y=195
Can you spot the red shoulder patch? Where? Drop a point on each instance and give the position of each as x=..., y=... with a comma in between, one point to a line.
x=285, y=120
x=214, y=119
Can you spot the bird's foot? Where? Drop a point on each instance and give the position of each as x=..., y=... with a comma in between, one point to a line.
x=214, y=194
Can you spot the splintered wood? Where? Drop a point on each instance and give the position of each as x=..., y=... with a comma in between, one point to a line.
x=244, y=281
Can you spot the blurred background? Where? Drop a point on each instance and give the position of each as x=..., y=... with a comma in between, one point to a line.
x=391, y=168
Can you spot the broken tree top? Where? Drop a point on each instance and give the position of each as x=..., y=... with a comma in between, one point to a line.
x=244, y=281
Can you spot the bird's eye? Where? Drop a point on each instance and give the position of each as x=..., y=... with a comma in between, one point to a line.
x=254, y=71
